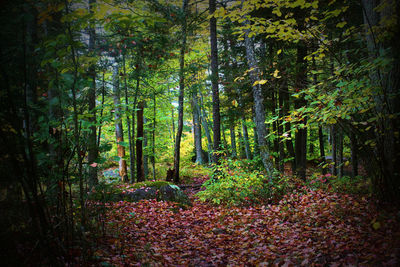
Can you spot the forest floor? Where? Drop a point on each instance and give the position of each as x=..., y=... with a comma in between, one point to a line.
x=306, y=228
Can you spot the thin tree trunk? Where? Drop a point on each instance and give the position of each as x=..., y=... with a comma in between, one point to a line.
x=153, y=157
x=233, y=140
x=246, y=139
x=119, y=133
x=275, y=129
x=214, y=82
x=354, y=154
x=340, y=153
x=177, y=150
x=92, y=150
x=205, y=123
x=128, y=122
x=139, y=143
x=280, y=133
x=145, y=149
x=197, y=129
x=334, y=149
x=242, y=153
x=103, y=92
x=322, y=148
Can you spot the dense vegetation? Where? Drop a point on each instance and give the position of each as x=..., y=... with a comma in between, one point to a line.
x=166, y=132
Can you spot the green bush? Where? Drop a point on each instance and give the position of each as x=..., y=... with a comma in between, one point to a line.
x=233, y=184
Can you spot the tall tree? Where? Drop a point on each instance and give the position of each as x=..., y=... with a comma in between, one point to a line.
x=119, y=133
x=139, y=143
x=92, y=144
x=197, y=127
x=300, y=84
x=214, y=82
x=259, y=110
x=177, y=149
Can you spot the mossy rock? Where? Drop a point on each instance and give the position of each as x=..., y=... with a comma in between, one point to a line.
x=153, y=184
x=159, y=190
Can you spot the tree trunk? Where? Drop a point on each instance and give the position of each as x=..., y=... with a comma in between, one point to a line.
x=275, y=129
x=334, y=149
x=233, y=140
x=246, y=139
x=280, y=133
x=322, y=148
x=139, y=143
x=92, y=146
x=119, y=133
x=354, y=154
x=301, y=134
x=128, y=122
x=145, y=149
x=197, y=129
x=340, y=153
x=289, y=142
x=214, y=82
x=177, y=150
x=258, y=104
x=242, y=153
x=153, y=148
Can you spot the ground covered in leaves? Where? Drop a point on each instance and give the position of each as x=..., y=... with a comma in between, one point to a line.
x=307, y=228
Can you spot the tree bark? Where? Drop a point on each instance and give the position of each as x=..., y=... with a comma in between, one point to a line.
x=246, y=140
x=214, y=82
x=301, y=134
x=139, y=143
x=354, y=154
x=177, y=150
x=233, y=140
x=92, y=146
x=258, y=104
x=145, y=148
x=119, y=133
x=334, y=149
x=128, y=122
x=197, y=129
x=322, y=148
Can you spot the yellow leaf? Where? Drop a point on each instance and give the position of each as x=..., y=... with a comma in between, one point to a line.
x=279, y=51
x=276, y=72
x=376, y=225
x=341, y=24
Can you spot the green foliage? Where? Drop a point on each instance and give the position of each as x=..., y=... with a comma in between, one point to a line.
x=234, y=184
x=357, y=185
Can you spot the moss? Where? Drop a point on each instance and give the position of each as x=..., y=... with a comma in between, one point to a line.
x=153, y=184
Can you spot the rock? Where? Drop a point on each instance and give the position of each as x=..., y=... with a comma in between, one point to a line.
x=141, y=193
x=164, y=193
x=173, y=193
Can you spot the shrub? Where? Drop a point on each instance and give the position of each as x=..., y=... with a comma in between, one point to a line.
x=233, y=184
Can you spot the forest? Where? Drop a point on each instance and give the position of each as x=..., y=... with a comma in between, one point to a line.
x=200, y=133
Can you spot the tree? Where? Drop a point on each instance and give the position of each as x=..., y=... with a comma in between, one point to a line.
x=214, y=82
x=119, y=133
x=92, y=144
x=181, y=91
